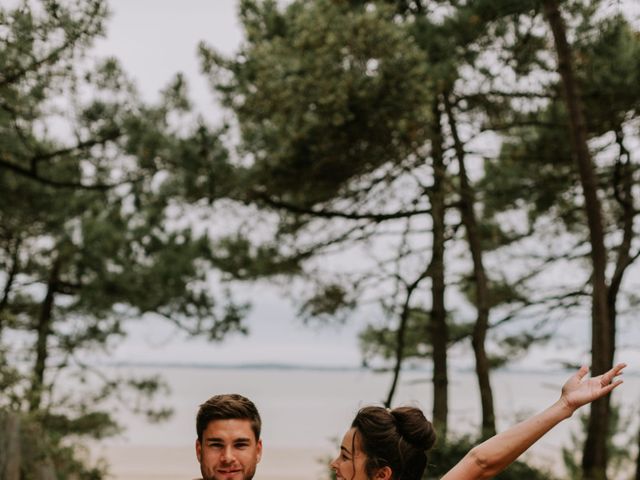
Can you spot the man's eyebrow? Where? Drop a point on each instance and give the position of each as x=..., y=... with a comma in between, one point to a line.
x=221, y=440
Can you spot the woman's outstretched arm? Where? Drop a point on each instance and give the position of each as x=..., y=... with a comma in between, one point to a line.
x=495, y=454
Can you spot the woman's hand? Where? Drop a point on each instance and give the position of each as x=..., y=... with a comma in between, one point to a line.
x=578, y=391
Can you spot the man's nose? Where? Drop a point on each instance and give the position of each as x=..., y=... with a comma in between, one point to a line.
x=227, y=454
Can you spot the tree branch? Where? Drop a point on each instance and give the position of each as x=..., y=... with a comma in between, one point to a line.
x=29, y=173
x=375, y=217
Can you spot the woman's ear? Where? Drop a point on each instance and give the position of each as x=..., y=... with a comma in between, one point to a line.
x=383, y=473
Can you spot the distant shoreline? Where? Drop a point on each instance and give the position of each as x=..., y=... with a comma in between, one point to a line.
x=315, y=368
x=239, y=366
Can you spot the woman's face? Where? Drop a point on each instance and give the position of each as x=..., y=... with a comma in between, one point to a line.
x=350, y=462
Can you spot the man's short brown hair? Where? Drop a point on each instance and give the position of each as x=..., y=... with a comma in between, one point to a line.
x=230, y=406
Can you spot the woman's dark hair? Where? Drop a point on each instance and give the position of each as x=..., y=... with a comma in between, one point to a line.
x=398, y=438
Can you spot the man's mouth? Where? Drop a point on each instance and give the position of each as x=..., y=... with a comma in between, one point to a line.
x=230, y=471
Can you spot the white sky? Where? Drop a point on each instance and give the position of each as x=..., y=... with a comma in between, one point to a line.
x=155, y=39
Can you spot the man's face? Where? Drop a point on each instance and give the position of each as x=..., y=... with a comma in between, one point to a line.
x=229, y=450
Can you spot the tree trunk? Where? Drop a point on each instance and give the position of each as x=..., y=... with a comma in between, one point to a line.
x=467, y=204
x=439, y=330
x=10, y=454
x=594, y=459
x=400, y=342
x=24, y=449
x=44, y=329
x=11, y=276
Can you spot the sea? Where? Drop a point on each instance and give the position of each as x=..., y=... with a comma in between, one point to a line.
x=305, y=412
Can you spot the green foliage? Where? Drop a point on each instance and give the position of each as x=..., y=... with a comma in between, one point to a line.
x=93, y=424
x=608, y=62
x=202, y=168
x=237, y=256
x=535, y=164
x=324, y=93
x=501, y=292
x=329, y=302
x=512, y=347
x=379, y=341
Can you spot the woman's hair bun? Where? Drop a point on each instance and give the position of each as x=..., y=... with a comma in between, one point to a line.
x=414, y=427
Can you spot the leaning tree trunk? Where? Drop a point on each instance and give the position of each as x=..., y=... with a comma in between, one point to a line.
x=438, y=328
x=594, y=459
x=44, y=330
x=400, y=344
x=467, y=204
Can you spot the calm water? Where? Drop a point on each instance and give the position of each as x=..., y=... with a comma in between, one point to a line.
x=310, y=410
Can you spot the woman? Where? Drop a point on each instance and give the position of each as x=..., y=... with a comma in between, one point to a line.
x=387, y=444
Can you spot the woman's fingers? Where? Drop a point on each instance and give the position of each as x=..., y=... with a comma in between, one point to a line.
x=582, y=372
x=608, y=379
x=611, y=386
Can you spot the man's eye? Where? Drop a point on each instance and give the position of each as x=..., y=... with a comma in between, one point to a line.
x=242, y=445
x=216, y=445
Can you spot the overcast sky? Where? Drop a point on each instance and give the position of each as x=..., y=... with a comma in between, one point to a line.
x=155, y=39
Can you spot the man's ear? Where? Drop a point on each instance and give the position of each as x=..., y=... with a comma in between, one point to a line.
x=198, y=450
x=259, y=450
x=383, y=473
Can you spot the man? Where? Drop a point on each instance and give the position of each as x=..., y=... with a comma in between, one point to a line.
x=228, y=446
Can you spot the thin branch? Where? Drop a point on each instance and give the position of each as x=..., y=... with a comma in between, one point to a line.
x=322, y=213
x=42, y=156
x=497, y=93
x=29, y=173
